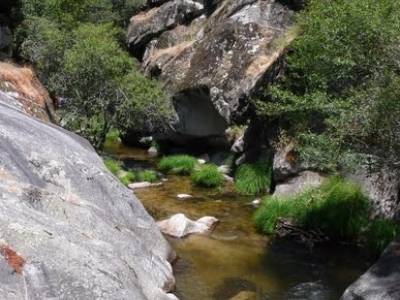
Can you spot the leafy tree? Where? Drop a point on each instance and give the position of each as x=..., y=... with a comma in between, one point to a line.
x=341, y=83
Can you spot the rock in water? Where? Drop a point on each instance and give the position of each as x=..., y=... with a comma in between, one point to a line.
x=381, y=281
x=184, y=196
x=68, y=228
x=180, y=226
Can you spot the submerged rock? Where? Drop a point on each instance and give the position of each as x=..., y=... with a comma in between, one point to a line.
x=142, y=185
x=212, y=57
x=381, y=281
x=180, y=226
x=68, y=228
x=184, y=196
x=245, y=295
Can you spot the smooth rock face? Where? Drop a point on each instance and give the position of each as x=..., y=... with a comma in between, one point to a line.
x=299, y=183
x=212, y=62
x=68, y=228
x=180, y=226
x=382, y=188
x=381, y=281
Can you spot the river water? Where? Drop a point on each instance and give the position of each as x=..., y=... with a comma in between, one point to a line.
x=235, y=257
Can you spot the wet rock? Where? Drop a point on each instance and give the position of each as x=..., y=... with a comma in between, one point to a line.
x=256, y=202
x=245, y=295
x=201, y=162
x=381, y=281
x=142, y=185
x=5, y=37
x=212, y=64
x=238, y=145
x=299, y=183
x=184, y=196
x=68, y=228
x=180, y=226
x=153, y=152
x=308, y=290
x=228, y=178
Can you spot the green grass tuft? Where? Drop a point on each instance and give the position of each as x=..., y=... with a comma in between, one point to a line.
x=336, y=208
x=254, y=178
x=147, y=175
x=207, y=176
x=127, y=178
x=177, y=164
x=114, y=166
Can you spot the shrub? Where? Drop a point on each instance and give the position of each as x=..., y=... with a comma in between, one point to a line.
x=337, y=208
x=207, y=176
x=177, y=164
x=113, y=165
x=253, y=178
x=147, y=175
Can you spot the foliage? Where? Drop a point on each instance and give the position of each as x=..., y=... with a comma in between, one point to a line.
x=337, y=208
x=147, y=175
x=177, y=164
x=253, y=178
x=145, y=105
x=345, y=90
x=208, y=176
x=112, y=165
x=127, y=177
x=76, y=48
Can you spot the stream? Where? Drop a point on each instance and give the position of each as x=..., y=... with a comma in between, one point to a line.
x=235, y=257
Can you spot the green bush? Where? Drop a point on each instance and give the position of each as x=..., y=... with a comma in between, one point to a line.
x=113, y=165
x=346, y=91
x=147, y=175
x=253, y=178
x=207, y=176
x=337, y=208
x=177, y=164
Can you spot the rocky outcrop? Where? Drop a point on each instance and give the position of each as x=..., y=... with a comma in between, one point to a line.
x=180, y=226
x=381, y=281
x=21, y=87
x=68, y=228
x=299, y=183
x=382, y=187
x=211, y=55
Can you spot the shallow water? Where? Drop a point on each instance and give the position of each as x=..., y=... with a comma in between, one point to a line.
x=235, y=257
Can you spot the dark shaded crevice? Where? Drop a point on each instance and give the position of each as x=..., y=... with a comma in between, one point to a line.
x=295, y=5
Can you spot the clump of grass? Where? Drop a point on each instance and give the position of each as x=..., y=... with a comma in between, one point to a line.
x=114, y=166
x=112, y=137
x=253, y=178
x=147, y=175
x=337, y=208
x=177, y=164
x=127, y=177
x=207, y=176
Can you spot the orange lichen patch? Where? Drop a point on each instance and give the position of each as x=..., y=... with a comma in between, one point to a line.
x=15, y=261
x=32, y=95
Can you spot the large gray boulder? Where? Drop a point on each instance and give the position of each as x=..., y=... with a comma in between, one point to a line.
x=211, y=63
x=68, y=228
x=381, y=281
x=382, y=187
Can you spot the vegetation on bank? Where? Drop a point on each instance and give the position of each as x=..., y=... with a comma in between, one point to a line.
x=129, y=176
x=207, y=176
x=253, y=178
x=341, y=98
x=77, y=49
x=177, y=164
x=337, y=208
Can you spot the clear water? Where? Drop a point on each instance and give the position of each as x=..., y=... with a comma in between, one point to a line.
x=235, y=257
